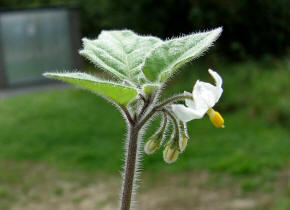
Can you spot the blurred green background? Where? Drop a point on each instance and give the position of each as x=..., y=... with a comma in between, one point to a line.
x=55, y=144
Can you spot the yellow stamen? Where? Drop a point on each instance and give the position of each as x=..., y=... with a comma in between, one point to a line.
x=216, y=119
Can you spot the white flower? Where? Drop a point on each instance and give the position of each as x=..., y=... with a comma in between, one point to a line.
x=205, y=96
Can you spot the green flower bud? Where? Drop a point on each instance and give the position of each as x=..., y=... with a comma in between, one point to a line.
x=171, y=152
x=150, y=88
x=151, y=146
x=184, y=137
x=183, y=143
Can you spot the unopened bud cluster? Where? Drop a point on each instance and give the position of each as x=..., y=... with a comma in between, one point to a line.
x=173, y=148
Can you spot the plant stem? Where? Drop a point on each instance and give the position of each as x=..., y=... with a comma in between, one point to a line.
x=130, y=168
x=135, y=126
x=126, y=112
x=174, y=121
x=173, y=99
x=160, y=106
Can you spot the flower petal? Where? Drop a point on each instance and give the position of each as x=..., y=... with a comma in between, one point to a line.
x=186, y=114
x=217, y=78
x=204, y=95
x=190, y=103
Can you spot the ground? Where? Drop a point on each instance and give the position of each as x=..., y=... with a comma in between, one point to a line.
x=43, y=188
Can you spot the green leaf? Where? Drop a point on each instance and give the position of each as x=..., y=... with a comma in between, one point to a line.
x=121, y=53
x=165, y=59
x=121, y=94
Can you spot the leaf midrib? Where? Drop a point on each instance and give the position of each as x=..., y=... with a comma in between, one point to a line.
x=126, y=56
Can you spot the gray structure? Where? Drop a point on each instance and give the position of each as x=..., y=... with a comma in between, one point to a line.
x=34, y=41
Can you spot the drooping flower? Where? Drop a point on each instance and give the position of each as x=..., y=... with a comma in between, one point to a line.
x=205, y=96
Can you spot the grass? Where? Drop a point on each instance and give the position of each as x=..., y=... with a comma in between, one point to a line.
x=73, y=130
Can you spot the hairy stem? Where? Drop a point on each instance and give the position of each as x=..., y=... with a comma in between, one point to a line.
x=135, y=126
x=173, y=120
x=173, y=99
x=127, y=114
x=130, y=169
x=160, y=106
x=144, y=108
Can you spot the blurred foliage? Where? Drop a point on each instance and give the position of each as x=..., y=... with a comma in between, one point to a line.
x=251, y=27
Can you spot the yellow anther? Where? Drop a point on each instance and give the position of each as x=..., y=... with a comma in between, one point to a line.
x=170, y=153
x=216, y=119
x=151, y=146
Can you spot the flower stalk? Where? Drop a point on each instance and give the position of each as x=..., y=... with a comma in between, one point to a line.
x=155, y=141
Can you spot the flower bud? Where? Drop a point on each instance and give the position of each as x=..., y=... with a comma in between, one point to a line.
x=151, y=146
x=150, y=88
x=156, y=140
x=183, y=143
x=216, y=119
x=171, y=152
x=184, y=137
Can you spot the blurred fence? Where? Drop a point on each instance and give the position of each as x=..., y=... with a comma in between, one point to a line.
x=34, y=41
